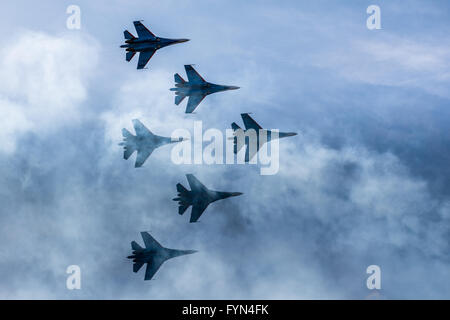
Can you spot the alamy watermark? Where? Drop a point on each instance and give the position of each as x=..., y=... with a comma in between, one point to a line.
x=374, y=280
x=73, y=22
x=374, y=20
x=74, y=279
x=235, y=147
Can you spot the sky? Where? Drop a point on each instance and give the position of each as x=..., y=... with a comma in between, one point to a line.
x=366, y=181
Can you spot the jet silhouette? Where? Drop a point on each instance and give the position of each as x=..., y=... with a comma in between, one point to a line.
x=144, y=142
x=249, y=124
x=146, y=44
x=197, y=88
x=154, y=255
x=199, y=197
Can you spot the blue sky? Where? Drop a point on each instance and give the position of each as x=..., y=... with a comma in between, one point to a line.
x=365, y=182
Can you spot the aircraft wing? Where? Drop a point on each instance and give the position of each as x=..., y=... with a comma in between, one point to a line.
x=195, y=185
x=197, y=211
x=238, y=146
x=144, y=57
x=142, y=31
x=248, y=155
x=193, y=102
x=152, y=267
x=250, y=123
x=193, y=76
x=142, y=156
x=149, y=241
x=140, y=129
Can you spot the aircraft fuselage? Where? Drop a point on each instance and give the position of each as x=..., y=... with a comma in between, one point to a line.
x=268, y=134
x=147, y=255
x=139, y=45
x=152, y=142
x=207, y=88
x=208, y=196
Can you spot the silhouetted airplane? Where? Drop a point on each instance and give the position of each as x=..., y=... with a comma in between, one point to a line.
x=199, y=197
x=197, y=88
x=249, y=124
x=146, y=44
x=144, y=142
x=154, y=255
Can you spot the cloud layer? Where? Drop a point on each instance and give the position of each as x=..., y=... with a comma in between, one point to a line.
x=365, y=182
x=44, y=83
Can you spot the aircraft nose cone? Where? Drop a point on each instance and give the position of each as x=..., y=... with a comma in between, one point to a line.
x=182, y=40
x=233, y=88
x=235, y=194
x=290, y=134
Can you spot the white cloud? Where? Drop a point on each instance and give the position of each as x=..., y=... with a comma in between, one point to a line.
x=43, y=83
x=392, y=61
x=145, y=96
x=293, y=235
x=373, y=193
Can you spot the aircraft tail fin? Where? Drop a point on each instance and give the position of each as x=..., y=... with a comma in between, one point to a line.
x=135, y=246
x=184, y=198
x=234, y=126
x=179, y=98
x=127, y=35
x=178, y=78
x=128, y=146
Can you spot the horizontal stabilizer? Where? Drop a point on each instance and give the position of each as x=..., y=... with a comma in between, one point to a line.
x=128, y=151
x=130, y=55
x=234, y=126
x=128, y=35
x=126, y=133
x=129, y=147
x=178, y=99
x=178, y=78
x=137, y=266
x=135, y=246
x=184, y=198
x=182, y=208
x=181, y=189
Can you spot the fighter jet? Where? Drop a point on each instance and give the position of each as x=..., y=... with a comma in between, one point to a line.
x=153, y=255
x=146, y=44
x=144, y=142
x=199, y=197
x=197, y=88
x=249, y=123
